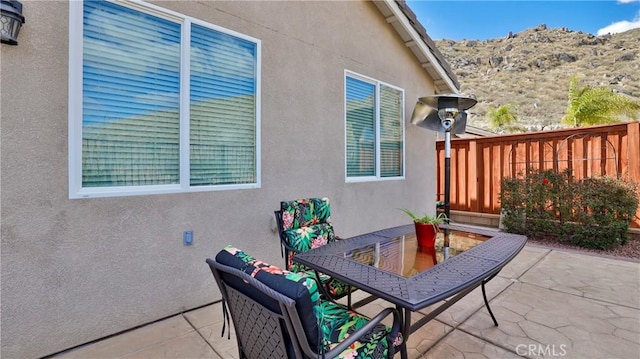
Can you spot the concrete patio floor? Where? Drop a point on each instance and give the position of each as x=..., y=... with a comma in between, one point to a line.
x=549, y=303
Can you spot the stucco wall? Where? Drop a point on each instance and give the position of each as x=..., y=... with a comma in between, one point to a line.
x=78, y=270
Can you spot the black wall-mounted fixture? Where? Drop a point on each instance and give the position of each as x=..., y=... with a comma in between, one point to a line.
x=11, y=21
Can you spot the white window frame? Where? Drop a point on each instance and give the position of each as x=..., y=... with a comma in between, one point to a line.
x=75, y=106
x=377, y=176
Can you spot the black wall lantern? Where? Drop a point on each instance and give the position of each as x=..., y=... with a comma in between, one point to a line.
x=11, y=21
x=444, y=113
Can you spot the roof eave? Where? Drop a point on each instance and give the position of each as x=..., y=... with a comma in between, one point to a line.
x=415, y=37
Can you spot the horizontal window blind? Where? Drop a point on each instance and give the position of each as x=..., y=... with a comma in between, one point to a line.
x=391, y=103
x=223, y=109
x=361, y=128
x=131, y=79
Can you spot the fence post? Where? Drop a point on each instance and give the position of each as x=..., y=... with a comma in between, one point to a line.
x=633, y=163
x=473, y=162
x=633, y=140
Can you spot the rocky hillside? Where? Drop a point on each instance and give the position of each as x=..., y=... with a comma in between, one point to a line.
x=531, y=70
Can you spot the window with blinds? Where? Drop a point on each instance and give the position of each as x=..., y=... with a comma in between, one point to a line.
x=374, y=129
x=159, y=102
x=223, y=111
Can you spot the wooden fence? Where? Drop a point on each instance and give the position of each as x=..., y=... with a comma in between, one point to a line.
x=479, y=164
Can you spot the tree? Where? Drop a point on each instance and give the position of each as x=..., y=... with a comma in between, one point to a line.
x=589, y=106
x=503, y=119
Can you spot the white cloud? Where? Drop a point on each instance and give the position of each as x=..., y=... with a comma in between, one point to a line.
x=627, y=1
x=621, y=26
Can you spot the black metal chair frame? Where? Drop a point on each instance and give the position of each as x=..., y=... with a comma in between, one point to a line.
x=264, y=334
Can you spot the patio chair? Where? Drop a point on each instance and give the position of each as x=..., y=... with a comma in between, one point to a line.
x=304, y=224
x=279, y=314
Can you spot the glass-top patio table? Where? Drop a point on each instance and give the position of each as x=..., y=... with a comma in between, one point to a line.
x=389, y=264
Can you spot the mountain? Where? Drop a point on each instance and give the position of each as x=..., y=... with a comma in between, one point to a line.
x=531, y=70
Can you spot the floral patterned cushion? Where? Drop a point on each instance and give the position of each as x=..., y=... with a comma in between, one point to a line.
x=307, y=225
x=305, y=212
x=335, y=322
x=337, y=289
x=305, y=238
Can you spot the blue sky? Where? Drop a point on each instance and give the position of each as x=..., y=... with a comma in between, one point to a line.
x=482, y=20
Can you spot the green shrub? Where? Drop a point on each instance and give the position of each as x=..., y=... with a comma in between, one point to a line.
x=593, y=212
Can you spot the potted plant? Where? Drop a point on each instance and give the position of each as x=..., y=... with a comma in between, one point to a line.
x=426, y=227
